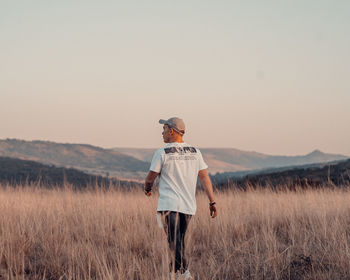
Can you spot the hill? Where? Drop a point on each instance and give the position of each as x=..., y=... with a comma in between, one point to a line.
x=233, y=160
x=19, y=172
x=132, y=164
x=86, y=158
x=331, y=174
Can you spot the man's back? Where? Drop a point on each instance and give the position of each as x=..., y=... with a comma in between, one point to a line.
x=178, y=165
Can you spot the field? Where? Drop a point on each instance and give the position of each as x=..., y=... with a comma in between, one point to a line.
x=111, y=234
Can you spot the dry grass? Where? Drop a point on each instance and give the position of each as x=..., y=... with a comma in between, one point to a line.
x=259, y=234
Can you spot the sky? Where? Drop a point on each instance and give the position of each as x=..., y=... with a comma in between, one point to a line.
x=265, y=76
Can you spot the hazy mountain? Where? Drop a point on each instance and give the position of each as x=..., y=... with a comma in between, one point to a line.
x=130, y=163
x=87, y=158
x=139, y=153
x=331, y=174
x=21, y=172
x=230, y=160
x=225, y=177
x=253, y=160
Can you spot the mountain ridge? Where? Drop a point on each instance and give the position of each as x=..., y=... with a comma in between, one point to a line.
x=231, y=159
x=133, y=163
x=85, y=157
x=17, y=172
x=318, y=175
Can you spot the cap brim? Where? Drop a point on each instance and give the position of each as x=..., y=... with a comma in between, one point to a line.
x=162, y=121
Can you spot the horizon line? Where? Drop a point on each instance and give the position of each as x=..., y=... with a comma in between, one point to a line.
x=155, y=148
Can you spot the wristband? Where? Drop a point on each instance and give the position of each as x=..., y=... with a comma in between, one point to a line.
x=212, y=204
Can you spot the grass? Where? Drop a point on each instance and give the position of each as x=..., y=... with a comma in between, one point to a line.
x=258, y=234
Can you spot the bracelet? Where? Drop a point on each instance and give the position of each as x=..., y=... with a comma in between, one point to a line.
x=212, y=204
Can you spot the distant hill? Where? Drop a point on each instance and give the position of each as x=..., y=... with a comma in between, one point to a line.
x=133, y=164
x=22, y=172
x=87, y=158
x=334, y=174
x=253, y=160
x=233, y=160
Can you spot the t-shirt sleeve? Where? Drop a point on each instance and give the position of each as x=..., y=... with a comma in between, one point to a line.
x=201, y=163
x=156, y=164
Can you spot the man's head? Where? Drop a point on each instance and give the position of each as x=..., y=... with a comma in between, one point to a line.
x=173, y=130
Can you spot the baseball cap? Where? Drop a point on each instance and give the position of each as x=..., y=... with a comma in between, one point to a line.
x=175, y=123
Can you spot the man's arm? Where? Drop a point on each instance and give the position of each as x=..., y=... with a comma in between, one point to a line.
x=151, y=176
x=206, y=183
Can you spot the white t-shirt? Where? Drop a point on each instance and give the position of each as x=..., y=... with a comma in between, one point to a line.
x=178, y=165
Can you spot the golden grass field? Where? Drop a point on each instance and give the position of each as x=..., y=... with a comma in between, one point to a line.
x=258, y=234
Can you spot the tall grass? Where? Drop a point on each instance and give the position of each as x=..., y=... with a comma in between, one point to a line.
x=95, y=234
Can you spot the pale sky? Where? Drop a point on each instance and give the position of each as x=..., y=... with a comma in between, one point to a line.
x=265, y=76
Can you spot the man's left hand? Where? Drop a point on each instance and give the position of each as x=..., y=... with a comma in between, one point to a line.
x=151, y=176
x=148, y=191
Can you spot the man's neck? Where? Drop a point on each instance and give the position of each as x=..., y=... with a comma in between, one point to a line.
x=178, y=140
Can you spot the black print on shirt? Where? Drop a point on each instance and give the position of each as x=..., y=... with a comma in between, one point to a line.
x=180, y=150
x=173, y=157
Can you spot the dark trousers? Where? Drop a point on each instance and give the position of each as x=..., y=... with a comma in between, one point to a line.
x=175, y=227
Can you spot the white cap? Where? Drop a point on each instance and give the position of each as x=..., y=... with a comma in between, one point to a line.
x=175, y=123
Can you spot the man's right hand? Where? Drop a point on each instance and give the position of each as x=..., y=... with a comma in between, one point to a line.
x=213, y=211
x=206, y=183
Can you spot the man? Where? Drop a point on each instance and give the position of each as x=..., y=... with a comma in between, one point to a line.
x=178, y=165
